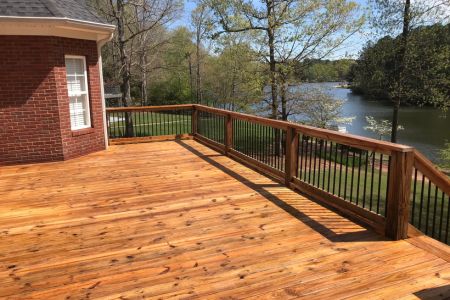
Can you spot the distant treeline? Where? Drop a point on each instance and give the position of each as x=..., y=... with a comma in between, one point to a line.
x=427, y=73
x=323, y=70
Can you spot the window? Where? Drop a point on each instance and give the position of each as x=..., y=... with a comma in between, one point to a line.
x=78, y=92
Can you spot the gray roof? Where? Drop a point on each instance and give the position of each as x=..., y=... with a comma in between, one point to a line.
x=71, y=9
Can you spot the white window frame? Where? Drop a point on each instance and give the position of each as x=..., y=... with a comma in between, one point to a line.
x=88, y=106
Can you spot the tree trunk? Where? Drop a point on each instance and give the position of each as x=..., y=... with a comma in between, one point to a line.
x=199, y=79
x=125, y=85
x=401, y=69
x=283, y=97
x=273, y=80
x=191, y=76
x=144, y=95
x=272, y=74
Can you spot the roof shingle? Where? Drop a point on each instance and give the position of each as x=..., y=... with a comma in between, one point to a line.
x=71, y=9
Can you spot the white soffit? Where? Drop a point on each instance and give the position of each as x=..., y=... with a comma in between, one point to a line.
x=61, y=27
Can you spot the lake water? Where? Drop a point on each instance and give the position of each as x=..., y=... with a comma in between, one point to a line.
x=426, y=129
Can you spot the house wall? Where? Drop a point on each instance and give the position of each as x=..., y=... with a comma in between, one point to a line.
x=34, y=104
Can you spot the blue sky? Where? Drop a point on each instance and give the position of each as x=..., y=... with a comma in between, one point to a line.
x=351, y=48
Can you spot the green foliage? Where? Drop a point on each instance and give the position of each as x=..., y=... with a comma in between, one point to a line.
x=426, y=79
x=445, y=157
x=174, y=86
x=234, y=77
x=319, y=109
x=380, y=127
x=323, y=70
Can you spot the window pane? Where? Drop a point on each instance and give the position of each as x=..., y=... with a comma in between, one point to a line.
x=78, y=93
x=74, y=66
x=76, y=84
x=78, y=111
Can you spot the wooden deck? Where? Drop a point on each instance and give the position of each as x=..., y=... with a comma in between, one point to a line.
x=176, y=220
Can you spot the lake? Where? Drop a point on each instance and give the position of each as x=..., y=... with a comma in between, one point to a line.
x=426, y=129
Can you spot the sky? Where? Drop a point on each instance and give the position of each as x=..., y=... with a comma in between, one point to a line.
x=350, y=49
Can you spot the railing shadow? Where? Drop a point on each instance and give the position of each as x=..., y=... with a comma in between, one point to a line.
x=441, y=292
x=361, y=235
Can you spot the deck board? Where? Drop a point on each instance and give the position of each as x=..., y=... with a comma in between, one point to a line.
x=175, y=220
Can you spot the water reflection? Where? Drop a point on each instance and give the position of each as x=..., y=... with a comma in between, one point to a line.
x=426, y=129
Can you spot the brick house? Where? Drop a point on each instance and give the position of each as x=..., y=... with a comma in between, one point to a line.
x=51, y=85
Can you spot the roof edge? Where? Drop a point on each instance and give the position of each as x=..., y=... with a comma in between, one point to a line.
x=94, y=25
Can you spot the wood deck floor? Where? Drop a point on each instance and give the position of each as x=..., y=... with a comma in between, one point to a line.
x=176, y=220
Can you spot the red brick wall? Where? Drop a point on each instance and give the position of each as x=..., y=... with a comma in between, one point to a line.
x=34, y=105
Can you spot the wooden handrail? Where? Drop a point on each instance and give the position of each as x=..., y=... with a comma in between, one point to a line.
x=150, y=108
x=338, y=137
x=427, y=168
x=245, y=117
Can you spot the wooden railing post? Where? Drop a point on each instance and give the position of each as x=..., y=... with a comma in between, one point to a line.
x=398, y=201
x=194, y=121
x=228, y=133
x=291, y=160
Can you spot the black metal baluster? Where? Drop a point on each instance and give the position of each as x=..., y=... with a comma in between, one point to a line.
x=387, y=184
x=149, y=124
x=441, y=215
x=329, y=166
x=365, y=178
x=353, y=175
x=379, y=183
x=324, y=164
x=372, y=180
x=434, y=210
x=310, y=161
x=340, y=170
x=413, y=209
x=448, y=218
x=320, y=162
x=427, y=216
x=346, y=171
x=253, y=134
x=314, y=164
x=300, y=154
x=259, y=135
x=306, y=157
x=421, y=201
x=335, y=168
x=359, y=175
x=266, y=145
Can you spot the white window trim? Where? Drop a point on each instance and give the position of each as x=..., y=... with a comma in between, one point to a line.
x=88, y=107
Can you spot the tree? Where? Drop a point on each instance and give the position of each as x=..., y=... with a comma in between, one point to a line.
x=133, y=19
x=380, y=127
x=235, y=79
x=173, y=83
x=321, y=110
x=315, y=107
x=390, y=15
x=445, y=157
x=202, y=24
x=288, y=31
x=426, y=80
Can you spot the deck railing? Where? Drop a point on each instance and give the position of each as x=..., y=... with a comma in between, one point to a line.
x=363, y=178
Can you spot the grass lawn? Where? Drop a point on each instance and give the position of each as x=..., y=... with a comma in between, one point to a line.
x=152, y=124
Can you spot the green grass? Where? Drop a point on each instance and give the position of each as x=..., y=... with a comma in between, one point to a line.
x=151, y=124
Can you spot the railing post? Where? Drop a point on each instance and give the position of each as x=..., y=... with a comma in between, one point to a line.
x=291, y=160
x=398, y=200
x=228, y=133
x=194, y=121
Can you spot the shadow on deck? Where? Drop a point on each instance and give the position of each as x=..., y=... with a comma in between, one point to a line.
x=289, y=208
